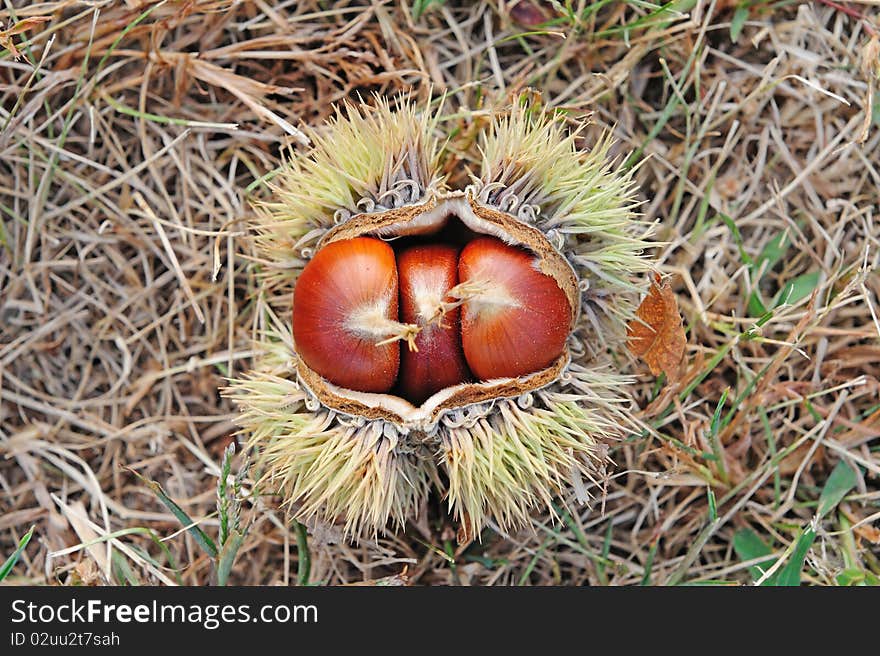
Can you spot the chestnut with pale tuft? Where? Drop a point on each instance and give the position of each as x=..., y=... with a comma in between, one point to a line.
x=427, y=273
x=516, y=319
x=345, y=313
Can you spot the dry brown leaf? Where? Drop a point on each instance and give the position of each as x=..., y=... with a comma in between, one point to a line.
x=395, y=580
x=865, y=531
x=528, y=13
x=6, y=40
x=870, y=67
x=656, y=334
x=868, y=532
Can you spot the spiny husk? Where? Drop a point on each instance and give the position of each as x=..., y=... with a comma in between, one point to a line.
x=504, y=457
x=366, y=158
x=508, y=463
x=324, y=465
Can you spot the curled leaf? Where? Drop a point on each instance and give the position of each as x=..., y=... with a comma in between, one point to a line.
x=656, y=333
x=21, y=26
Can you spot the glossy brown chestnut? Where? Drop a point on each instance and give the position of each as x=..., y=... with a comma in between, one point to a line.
x=426, y=274
x=515, y=319
x=344, y=307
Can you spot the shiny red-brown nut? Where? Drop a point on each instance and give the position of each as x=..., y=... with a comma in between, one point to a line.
x=344, y=300
x=426, y=274
x=515, y=319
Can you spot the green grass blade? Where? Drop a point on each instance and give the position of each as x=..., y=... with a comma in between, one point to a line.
x=713, y=507
x=773, y=251
x=6, y=568
x=790, y=575
x=227, y=556
x=201, y=538
x=527, y=572
x=797, y=289
x=736, y=24
x=124, y=32
x=748, y=546
x=138, y=530
x=838, y=485
x=419, y=7
x=854, y=576
x=122, y=571
x=714, y=427
x=606, y=549
x=738, y=239
x=303, y=556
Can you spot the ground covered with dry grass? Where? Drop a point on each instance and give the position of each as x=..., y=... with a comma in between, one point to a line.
x=133, y=136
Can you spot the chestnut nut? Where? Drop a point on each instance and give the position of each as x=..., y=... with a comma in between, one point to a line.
x=483, y=313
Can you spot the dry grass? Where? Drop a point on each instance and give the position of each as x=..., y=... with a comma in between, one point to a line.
x=133, y=133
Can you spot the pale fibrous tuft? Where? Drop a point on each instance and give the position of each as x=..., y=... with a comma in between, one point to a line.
x=494, y=451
